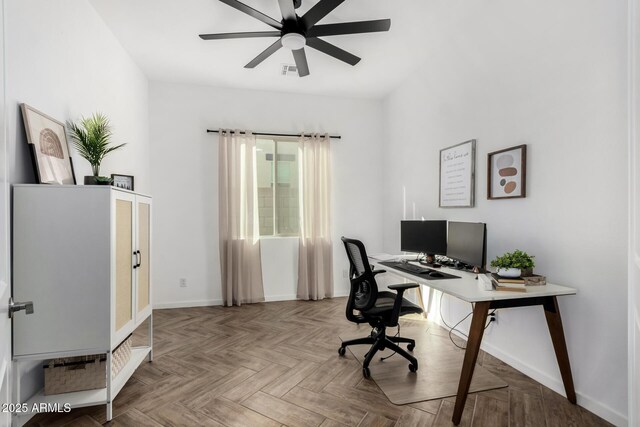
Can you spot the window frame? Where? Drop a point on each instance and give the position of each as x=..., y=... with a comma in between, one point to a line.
x=274, y=196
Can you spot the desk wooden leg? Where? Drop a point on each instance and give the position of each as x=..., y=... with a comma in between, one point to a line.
x=552, y=313
x=480, y=312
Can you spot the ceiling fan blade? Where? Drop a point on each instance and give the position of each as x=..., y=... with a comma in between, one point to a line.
x=254, y=13
x=319, y=11
x=332, y=50
x=301, y=62
x=350, y=28
x=265, y=54
x=225, y=36
x=287, y=9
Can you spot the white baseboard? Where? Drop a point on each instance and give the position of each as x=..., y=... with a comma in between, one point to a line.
x=293, y=297
x=273, y=298
x=213, y=302
x=187, y=304
x=553, y=383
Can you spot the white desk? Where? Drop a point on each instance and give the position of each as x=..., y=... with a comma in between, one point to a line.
x=467, y=289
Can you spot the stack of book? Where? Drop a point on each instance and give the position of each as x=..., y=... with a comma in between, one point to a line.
x=517, y=284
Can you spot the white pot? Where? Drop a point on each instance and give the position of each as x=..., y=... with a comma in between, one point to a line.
x=509, y=272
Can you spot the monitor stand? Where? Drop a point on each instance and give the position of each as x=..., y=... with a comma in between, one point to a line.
x=460, y=266
x=430, y=260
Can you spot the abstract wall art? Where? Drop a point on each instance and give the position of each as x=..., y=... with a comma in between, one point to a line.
x=506, y=176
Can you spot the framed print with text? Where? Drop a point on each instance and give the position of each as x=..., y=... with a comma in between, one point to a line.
x=457, y=175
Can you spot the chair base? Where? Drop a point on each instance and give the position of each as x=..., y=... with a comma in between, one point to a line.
x=379, y=341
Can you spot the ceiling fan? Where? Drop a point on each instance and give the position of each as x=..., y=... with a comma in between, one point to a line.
x=295, y=32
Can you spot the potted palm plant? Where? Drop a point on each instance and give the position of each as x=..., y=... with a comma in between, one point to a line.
x=92, y=139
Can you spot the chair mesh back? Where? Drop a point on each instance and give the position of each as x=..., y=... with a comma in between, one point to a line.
x=356, y=257
x=364, y=289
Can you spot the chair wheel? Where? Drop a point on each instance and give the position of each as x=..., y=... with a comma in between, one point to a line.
x=413, y=368
x=366, y=373
x=410, y=347
x=342, y=351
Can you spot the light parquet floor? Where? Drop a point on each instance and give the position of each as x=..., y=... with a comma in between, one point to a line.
x=276, y=364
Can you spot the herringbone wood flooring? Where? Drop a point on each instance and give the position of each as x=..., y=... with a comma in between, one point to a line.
x=277, y=364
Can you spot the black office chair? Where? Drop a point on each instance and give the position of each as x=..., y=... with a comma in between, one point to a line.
x=379, y=309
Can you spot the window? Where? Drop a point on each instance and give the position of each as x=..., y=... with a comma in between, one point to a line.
x=278, y=194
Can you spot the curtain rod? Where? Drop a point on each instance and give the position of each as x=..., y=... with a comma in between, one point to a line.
x=274, y=134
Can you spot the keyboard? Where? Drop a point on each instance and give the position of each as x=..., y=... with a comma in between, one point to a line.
x=410, y=268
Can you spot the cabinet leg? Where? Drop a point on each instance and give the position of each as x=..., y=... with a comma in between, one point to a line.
x=109, y=385
x=151, y=337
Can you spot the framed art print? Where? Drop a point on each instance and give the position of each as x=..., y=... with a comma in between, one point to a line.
x=122, y=181
x=47, y=140
x=507, y=173
x=457, y=175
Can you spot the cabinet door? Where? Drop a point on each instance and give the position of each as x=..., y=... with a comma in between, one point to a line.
x=124, y=256
x=143, y=304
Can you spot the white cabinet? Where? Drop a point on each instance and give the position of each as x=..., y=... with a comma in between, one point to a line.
x=82, y=254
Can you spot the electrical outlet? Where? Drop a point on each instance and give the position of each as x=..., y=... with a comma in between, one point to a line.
x=495, y=318
x=183, y=283
x=345, y=274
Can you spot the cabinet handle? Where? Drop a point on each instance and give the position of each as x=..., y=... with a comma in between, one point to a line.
x=139, y=259
x=17, y=306
x=135, y=253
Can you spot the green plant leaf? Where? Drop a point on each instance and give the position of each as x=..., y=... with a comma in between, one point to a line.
x=92, y=139
x=516, y=259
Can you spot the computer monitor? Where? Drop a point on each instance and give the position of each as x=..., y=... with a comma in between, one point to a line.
x=429, y=237
x=467, y=243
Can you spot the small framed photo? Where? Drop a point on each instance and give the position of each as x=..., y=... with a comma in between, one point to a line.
x=122, y=181
x=507, y=173
x=47, y=139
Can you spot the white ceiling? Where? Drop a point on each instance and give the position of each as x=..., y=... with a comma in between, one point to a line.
x=162, y=37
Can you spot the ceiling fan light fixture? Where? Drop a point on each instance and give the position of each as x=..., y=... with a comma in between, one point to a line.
x=293, y=41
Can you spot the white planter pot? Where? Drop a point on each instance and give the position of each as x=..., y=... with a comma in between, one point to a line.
x=509, y=272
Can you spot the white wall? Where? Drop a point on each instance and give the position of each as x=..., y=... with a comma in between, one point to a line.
x=184, y=163
x=5, y=223
x=634, y=217
x=63, y=60
x=551, y=75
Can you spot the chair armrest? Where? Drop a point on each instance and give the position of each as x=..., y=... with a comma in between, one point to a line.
x=397, y=305
x=378, y=271
x=403, y=286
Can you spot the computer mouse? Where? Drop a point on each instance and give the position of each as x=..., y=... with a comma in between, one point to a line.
x=435, y=274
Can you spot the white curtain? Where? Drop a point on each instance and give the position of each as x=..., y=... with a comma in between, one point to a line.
x=315, y=262
x=238, y=219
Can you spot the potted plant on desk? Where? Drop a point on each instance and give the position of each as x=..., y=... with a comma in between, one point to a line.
x=92, y=139
x=514, y=264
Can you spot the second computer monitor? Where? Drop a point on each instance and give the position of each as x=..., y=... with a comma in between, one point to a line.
x=429, y=237
x=467, y=243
